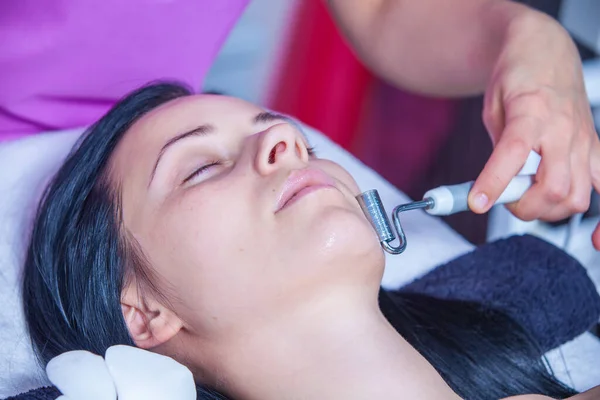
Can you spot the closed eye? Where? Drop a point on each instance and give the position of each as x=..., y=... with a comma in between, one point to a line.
x=203, y=169
x=311, y=151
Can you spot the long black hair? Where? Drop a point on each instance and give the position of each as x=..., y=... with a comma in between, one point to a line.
x=78, y=262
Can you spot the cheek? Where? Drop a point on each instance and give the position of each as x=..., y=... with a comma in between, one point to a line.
x=351, y=229
x=344, y=237
x=208, y=250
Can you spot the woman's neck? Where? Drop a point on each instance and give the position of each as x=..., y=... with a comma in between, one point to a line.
x=334, y=351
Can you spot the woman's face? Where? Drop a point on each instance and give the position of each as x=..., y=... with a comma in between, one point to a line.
x=236, y=217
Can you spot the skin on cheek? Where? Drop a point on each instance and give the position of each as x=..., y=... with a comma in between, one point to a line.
x=330, y=242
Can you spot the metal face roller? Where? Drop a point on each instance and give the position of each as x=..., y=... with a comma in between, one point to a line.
x=372, y=207
x=444, y=200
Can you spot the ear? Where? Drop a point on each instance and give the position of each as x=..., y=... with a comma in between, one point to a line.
x=149, y=323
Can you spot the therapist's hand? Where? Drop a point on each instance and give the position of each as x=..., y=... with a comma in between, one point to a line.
x=536, y=100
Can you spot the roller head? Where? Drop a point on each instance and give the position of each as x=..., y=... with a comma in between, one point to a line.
x=372, y=207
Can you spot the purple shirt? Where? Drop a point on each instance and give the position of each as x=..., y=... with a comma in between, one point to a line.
x=64, y=63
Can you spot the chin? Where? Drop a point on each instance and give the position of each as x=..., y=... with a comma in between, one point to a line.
x=334, y=254
x=344, y=238
x=332, y=233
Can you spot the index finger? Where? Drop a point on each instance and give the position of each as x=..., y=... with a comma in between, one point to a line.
x=507, y=159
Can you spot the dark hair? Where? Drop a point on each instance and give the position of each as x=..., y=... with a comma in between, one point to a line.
x=79, y=258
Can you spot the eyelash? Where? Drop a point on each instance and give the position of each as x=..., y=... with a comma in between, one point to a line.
x=310, y=150
x=202, y=170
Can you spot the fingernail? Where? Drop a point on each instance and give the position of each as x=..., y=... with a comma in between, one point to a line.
x=480, y=201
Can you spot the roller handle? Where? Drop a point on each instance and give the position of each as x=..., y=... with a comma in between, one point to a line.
x=452, y=199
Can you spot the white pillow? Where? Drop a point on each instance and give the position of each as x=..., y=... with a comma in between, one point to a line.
x=26, y=165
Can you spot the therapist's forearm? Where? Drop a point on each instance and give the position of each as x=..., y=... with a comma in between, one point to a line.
x=437, y=47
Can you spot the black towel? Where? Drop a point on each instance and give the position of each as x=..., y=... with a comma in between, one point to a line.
x=540, y=286
x=45, y=393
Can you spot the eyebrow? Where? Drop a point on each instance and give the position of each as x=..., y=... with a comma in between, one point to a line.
x=270, y=117
x=201, y=130
x=206, y=129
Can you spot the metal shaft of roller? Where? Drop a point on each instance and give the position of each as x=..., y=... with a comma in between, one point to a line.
x=372, y=207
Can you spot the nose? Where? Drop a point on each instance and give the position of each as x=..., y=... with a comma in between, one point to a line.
x=280, y=146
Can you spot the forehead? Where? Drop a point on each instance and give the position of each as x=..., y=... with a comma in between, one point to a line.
x=186, y=113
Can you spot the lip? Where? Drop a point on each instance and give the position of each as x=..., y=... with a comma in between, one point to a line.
x=301, y=182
